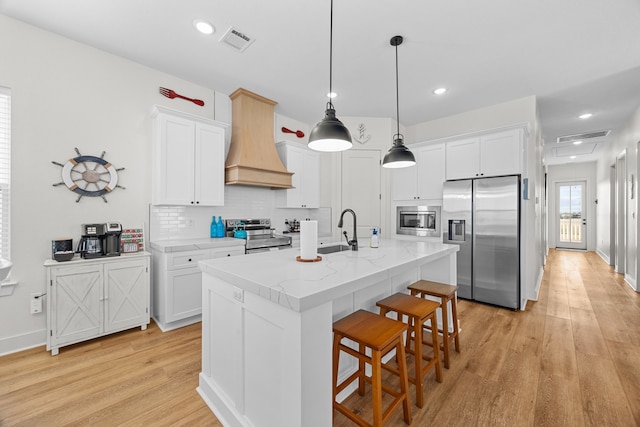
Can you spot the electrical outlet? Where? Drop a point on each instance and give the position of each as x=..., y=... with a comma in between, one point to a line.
x=36, y=303
x=238, y=293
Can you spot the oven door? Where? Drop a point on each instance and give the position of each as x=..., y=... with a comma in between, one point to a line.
x=418, y=221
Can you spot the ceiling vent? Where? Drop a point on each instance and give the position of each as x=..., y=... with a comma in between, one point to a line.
x=236, y=39
x=583, y=136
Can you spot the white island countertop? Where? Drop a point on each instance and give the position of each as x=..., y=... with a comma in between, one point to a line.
x=267, y=325
x=299, y=286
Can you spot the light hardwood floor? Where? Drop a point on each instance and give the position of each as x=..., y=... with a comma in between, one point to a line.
x=570, y=359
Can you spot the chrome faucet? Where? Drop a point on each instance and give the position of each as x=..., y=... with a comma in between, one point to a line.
x=353, y=243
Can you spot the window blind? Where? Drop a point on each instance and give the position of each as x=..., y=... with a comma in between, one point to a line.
x=5, y=172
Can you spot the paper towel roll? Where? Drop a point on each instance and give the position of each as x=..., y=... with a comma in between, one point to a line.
x=308, y=240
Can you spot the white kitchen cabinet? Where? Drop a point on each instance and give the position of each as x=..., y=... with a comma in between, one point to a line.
x=188, y=159
x=305, y=165
x=493, y=154
x=424, y=180
x=92, y=298
x=177, y=285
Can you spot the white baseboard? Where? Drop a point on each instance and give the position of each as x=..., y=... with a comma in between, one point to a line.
x=164, y=327
x=631, y=282
x=22, y=342
x=536, y=291
x=604, y=256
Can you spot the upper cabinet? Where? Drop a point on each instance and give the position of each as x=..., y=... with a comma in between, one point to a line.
x=424, y=180
x=188, y=159
x=493, y=154
x=305, y=165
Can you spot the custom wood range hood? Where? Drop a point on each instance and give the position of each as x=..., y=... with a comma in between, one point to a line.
x=252, y=158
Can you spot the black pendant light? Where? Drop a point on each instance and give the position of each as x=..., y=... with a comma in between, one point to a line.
x=330, y=134
x=399, y=155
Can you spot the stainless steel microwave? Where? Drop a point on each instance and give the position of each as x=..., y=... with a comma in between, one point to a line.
x=421, y=221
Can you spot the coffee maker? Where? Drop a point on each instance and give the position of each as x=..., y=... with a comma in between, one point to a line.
x=113, y=230
x=100, y=240
x=92, y=243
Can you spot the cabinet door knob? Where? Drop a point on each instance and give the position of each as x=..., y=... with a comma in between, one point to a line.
x=228, y=254
x=189, y=259
x=192, y=202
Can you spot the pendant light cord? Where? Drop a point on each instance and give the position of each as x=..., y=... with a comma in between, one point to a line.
x=397, y=96
x=330, y=103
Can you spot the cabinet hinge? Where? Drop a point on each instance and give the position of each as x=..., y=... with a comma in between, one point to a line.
x=380, y=196
x=51, y=282
x=51, y=332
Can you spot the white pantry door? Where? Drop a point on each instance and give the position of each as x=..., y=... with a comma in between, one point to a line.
x=361, y=192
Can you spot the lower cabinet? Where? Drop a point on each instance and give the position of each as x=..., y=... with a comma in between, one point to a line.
x=91, y=298
x=177, y=285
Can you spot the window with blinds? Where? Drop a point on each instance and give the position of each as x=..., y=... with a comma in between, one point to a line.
x=5, y=171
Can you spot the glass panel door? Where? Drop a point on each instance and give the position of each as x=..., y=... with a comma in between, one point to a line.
x=572, y=222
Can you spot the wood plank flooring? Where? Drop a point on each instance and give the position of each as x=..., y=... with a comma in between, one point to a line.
x=571, y=359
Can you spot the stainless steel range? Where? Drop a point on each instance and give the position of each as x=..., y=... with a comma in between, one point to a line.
x=260, y=235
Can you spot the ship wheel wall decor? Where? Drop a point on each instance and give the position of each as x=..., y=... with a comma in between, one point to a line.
x=89, y=176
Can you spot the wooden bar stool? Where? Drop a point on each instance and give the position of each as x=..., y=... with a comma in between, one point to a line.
x=380, y=335
x=418, y=311
x=445, y=293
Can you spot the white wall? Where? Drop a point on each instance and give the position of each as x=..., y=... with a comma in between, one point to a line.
x=519, y=111
x=66, y=95
x=569, y=173
x=625, y=141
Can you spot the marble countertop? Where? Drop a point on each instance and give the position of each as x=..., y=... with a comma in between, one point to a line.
x=181, y=245
x=77, y=259
x=278, y=277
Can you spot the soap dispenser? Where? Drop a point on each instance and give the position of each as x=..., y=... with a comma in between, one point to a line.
x=375, y=238
x=213, y=230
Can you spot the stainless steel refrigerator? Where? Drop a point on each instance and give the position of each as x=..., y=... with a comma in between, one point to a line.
x=482, y=216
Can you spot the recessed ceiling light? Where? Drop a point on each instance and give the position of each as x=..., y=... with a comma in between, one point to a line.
x=577, y=142
x=572, y=157
x=203, y=26
x=585, y=116
x=332, y=95
x=440, y=90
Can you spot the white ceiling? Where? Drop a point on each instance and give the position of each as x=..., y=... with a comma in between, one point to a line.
x=574, y=55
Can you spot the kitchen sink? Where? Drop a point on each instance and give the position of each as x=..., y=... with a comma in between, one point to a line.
x=333, y=248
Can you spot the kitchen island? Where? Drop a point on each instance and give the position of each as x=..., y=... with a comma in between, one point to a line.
x=267, y=325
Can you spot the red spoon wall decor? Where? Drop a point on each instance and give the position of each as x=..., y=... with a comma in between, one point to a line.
x=298, y=133
x=171, y=94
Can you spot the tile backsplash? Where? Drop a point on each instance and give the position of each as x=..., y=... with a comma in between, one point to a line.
x=189, y=222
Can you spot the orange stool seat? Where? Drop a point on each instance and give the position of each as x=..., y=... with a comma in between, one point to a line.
x=380, y=335
x=418, y=311
x=445, y=293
